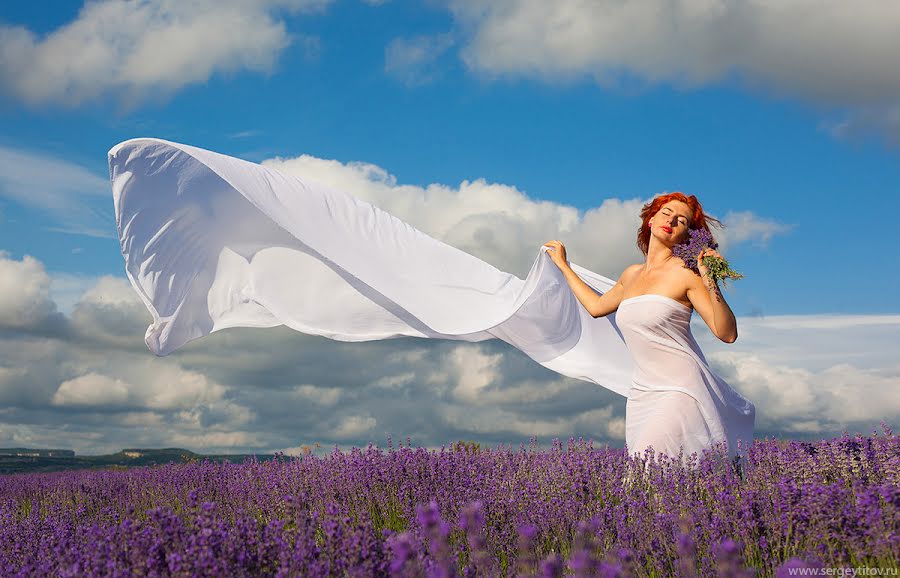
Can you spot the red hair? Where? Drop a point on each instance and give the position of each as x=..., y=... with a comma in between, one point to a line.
x=699, y=219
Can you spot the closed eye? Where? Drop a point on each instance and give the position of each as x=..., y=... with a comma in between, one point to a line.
x=682, y=220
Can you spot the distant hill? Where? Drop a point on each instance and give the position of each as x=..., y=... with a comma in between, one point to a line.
x=28, y=460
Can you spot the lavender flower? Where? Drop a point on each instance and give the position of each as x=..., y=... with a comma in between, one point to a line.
x=374, y=513
x=700, y=240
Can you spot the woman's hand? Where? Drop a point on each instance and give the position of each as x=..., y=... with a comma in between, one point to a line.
x=583, y=292
x=557, y=252
x=710, y=283
x=706, y=253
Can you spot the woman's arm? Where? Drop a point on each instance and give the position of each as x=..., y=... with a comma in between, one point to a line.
x=710, y=304
x=596, y=305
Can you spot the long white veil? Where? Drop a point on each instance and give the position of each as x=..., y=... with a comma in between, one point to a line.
x=212, y=241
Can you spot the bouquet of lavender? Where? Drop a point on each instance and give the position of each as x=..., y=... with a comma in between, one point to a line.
x=700, y=240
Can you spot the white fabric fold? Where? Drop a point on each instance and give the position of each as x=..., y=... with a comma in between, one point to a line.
x=211, y=241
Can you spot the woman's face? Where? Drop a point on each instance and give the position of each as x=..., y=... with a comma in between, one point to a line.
x=672, y=222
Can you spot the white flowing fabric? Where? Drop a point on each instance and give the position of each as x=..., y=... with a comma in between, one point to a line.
x=676, y=400
x=212, y=242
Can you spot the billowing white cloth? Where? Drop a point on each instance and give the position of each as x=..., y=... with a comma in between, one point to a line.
x=211, y=242
x=676, y=400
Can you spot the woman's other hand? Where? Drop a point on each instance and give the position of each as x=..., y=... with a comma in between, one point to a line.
x=557, y=252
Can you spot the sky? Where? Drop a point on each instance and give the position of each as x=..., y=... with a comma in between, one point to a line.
x=521, y=121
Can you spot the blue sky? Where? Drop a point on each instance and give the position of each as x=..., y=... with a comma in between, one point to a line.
x=793, y=144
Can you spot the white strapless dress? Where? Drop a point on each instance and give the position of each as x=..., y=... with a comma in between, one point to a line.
x=676, y=401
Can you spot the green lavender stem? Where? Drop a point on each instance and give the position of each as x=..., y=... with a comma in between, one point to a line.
x=718, y=269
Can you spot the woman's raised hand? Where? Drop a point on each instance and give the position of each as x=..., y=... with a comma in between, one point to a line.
x=701, y=266
x=557, y=252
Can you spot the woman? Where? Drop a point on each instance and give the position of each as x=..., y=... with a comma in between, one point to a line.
x=676, y=402
x=212, y=242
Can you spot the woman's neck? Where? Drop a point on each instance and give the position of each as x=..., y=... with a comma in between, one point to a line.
x=657, y=256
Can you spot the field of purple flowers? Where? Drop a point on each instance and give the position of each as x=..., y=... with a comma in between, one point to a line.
x=467, y=511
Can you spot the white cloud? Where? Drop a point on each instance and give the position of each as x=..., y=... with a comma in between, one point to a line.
x=245, y=134
x=813, y=373
x=137, y=50
x=149, y=385
x=492, y=420
x=827, y=52
x=489, y=419
x=237, y=390
x=227, y=441
x=109, y=290
x=394, y=381
x=529, y=391
x=243, y=389
x=66, y=289
x=856, y=125
x=172, y=387
x=472, y=371
x=615, y=428
x=826, y=321
x=354, y=426
x=813, y=342
x=25, y=287
x=323, y=396
x=795, y=399
x=741, y=226
x=145, y=419
x=109, y=311
x=411, y=60
x=604, y=421
x=91, y=389
x=78, y=200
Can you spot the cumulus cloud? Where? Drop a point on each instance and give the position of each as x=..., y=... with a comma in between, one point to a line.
x=25, y=287
x=354, y=426
x=813, y=342
x=826, y=52
x=323, y=396
x=142, y=384
x=66, y=289
x=139, y=49
x=831, y=54
x=473, y=371
x=813, y=374
x=264, y=389
x=110, y=312
x=91, y=389
x=797, y=400
x=596, y=423
x=89, y=382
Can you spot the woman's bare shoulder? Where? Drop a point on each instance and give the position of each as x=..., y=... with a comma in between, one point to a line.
x=681, y=269
x=630, y=273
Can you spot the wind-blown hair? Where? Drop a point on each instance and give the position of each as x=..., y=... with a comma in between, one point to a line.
x=699, y=219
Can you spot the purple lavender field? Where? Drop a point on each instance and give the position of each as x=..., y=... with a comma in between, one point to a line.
x=467, y=511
